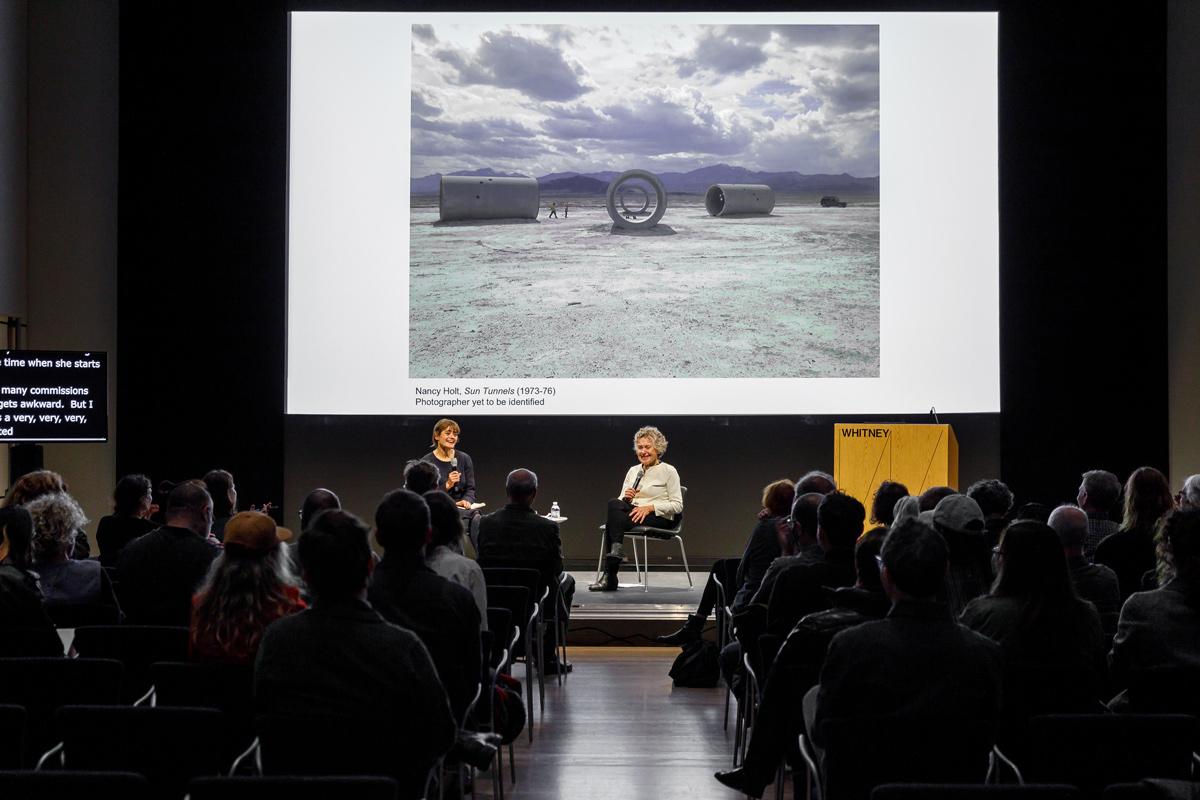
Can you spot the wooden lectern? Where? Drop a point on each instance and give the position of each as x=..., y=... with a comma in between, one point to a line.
x=919, y=456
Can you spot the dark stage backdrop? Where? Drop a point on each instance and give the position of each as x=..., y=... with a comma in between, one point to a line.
x=202, y=281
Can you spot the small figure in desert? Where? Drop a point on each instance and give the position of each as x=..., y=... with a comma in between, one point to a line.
x=553, y=211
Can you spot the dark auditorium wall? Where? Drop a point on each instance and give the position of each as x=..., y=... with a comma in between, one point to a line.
x=202, y=285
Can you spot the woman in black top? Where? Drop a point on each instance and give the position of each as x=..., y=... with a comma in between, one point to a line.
x=133, y=501
x=456, y=474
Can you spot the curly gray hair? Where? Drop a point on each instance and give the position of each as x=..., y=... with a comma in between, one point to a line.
x=654, y=435
x=56, y=518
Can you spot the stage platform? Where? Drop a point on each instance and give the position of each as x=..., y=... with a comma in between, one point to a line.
x=633, y=615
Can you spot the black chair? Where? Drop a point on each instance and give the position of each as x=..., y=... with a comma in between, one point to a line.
x=170, y=746
x=965, y=791
x=1151, y=790
x=1092, y=751
x=352, y=787
x=31, y=785
x=864, y=752
x=76, y=615
x=229, y=688
x=43, y=685
x=500, y=625
x=12, y=736
x=135, y=646
x=30, y=643
x=1162, y=690
x=535, y=627
x=517, y=600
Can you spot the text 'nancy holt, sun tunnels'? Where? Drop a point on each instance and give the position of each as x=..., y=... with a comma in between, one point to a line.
x=463, y=197
x=739, y=198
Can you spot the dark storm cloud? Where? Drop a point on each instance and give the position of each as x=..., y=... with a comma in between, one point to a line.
x=848, y=94
x=856, y=37
x=424, y=33
x=509, y=61
x=724, y=51
x=652, y=125
x=421, y=107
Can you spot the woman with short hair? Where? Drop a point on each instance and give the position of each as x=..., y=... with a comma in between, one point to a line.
x=456, y=473
x=65, y=582
x=133, y=503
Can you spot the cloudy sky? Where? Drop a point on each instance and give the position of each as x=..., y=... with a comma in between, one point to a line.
x=538, y=99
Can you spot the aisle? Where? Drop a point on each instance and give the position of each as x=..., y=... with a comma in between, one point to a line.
x=618, y=729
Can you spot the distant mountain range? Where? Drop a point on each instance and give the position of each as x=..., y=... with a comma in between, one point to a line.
x=694, y=182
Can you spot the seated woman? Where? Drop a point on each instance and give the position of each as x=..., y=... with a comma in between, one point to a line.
x=33, y=485
x=761, y=549
x=456, y=473
x=133, y=502
x=25, y=628
x=66, y=582
x=650, y=496
x=248, y=587
x=441, y=556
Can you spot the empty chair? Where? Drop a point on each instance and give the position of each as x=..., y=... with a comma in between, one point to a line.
x=45, y=785
x=967, y=791
x=43, y=685
x=170, y=746
x=1092, y=751
x=135, y=646
x=229, y=688
x=351, y=787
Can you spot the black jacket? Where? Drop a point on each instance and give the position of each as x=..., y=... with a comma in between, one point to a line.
x=517, y=537
x=158, y=573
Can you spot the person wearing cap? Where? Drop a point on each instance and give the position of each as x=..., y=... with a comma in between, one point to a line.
x=249, y=586
x=960, y=521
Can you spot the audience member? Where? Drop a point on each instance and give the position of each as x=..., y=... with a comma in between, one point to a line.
x=995, y=500
x=20, y=597
x=420, y=477
x=1052, y=642
x=1156, y=636
x=133, y=499
x=960, y=522
x=224, y=496
x=1130, y=551
x=447, y=561
x=248, y=587
x=761, y=549
x=341, y=663
x=797, y=668
x=160, y=571
x=883, y=507
x=515, y=536
x=33, y=485
x=1095, y=583
x=797, y=544
x=315, y=502
x=1033, y=512
x=1098, y=494
x=906, y=508
x=1189, y=495
x=410, y=594
x=915, y=663
x=934, y=495
x=56, y=518
x=816, y=481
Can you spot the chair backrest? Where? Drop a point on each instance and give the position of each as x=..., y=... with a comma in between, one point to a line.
x=43, y=685
x=864, y=752
x=1092, y=751
x=12, y=736
x=135, y=646
x=531, y=579
x=46, y=785
x=75, y=615
x=350, y=787
x=1162, y=691
x=517, y=600
x=229, y=688
x=967, y=791
x=30, y=642
x=170, y=746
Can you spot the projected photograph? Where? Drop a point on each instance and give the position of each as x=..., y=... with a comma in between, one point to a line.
x=644, y=201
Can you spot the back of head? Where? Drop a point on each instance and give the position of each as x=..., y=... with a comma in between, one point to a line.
x=34, y=484
x=958, y=514
x=804, y=517
x=934, y=495
x=335, y=555
x=883, y=507
x=402, y=521
x=421, y=477
x=129, y=493
x=1032, y=564
x=187, y=504
x=867, y=569
x=16, y=536
x=1189, y=497
x=56, y=518
x=906, y=508
x=816, y=481
x=1103, y=489
x=1147, y=498
x=915, y=556
x=521, y=485
x=1071, y=524
x=318, y=500
x=1038, y=512
x=1180, y=534
x=778, y=496
x=993, y=496
x=219, y=483
x=840, y=517
x=445, y=519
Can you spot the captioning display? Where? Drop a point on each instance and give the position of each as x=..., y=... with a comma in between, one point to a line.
x=53, y=396
x=669, y=213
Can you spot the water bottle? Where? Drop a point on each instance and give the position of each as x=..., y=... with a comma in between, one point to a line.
x=554, y=510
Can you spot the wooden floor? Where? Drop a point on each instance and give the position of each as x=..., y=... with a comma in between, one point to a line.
x=617, y=728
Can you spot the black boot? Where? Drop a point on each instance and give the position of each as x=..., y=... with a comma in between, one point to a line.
x=690, y=632
x=608, y=583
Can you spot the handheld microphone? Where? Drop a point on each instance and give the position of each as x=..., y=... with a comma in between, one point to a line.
x=454, y=463
x=636, y=482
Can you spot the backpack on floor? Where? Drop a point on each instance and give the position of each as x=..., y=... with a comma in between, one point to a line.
x=697, y=667
x=508, y=708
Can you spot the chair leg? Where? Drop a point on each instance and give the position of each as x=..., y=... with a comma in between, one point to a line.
x=600, y=560
x=540, y=632
x=637, y=565
x=529, y=691
x=683, y=553
x=645, y=564
x=512, y=765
